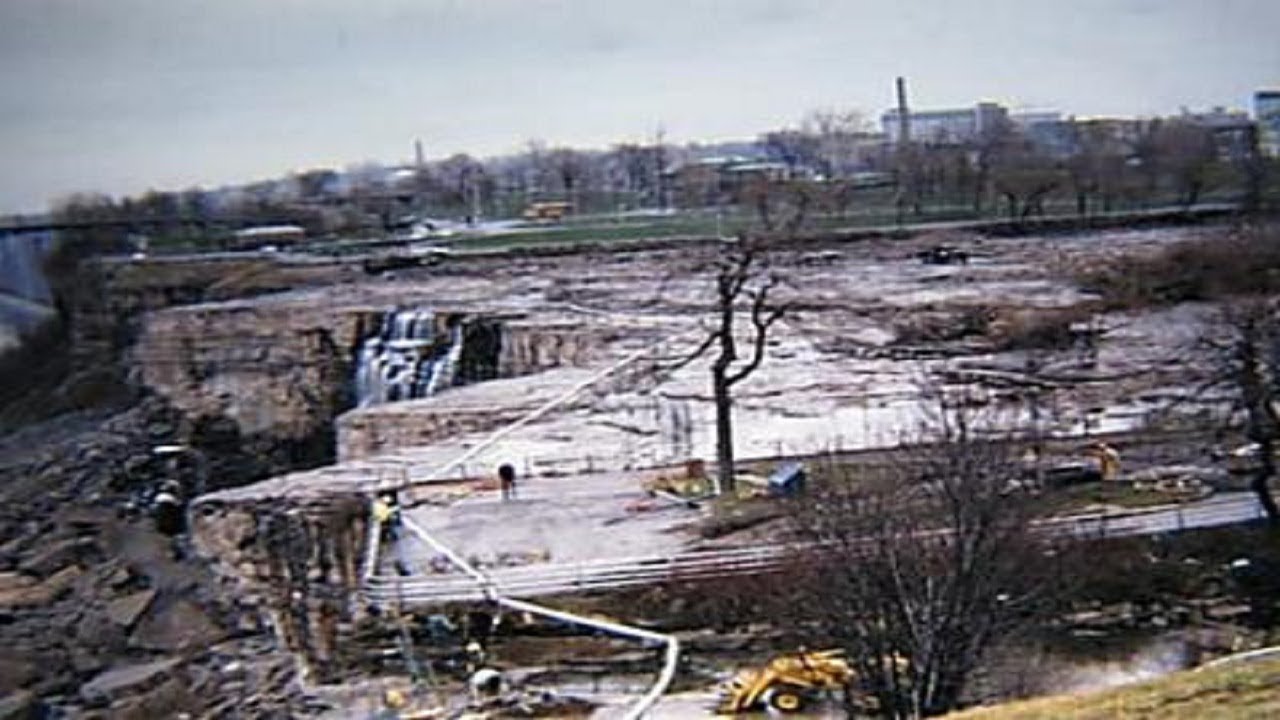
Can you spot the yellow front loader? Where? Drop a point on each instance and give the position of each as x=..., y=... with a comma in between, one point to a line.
x=788, y=683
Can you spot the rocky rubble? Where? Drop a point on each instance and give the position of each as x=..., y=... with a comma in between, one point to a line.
x=100, y=615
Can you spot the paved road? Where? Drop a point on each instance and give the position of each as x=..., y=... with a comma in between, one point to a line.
x=551, y=578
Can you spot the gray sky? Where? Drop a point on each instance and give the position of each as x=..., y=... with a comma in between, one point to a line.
x=124, y=95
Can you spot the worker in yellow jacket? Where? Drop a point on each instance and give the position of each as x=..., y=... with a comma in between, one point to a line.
x=1108, y=459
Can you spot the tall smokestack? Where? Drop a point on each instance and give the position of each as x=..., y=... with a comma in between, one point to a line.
x=904, y=117
x=419, y=159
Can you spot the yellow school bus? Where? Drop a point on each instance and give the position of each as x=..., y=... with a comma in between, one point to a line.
x=551, y=211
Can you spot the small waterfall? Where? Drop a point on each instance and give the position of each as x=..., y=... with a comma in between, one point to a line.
x=407, y=359
x=21, y=274
x=446, y=371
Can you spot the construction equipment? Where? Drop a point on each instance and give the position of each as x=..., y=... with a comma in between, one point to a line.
x=687, y=488
x=788, y=683
x=547, y=211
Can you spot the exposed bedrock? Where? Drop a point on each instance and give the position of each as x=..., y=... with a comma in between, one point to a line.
x=295, y=561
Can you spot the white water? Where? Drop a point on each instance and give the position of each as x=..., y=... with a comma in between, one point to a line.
x=446, y=369
x=407, y=359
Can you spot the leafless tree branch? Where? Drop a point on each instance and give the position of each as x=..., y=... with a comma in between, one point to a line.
x=762, y=318
x=923, y=563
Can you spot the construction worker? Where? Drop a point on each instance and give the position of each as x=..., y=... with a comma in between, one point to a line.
x=386, y=512
x=394, y=703
x=168, y=509
x=507, y=477
x=1108, y=460
x=476, y=656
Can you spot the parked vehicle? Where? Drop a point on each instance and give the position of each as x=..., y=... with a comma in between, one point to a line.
x=943, y=255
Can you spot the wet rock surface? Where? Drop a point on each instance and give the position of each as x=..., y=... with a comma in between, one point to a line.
x=106, y=618
x=869, y=324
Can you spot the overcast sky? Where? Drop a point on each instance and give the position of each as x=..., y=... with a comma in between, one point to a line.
x=124, y=95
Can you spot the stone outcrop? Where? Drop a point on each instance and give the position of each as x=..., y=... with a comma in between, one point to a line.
x=295, y=561
x=125, y=680
x=284, y=367
x=118, y=293
x=276, y=368
x=530, y=347
x=478, y=408
x=88, y=588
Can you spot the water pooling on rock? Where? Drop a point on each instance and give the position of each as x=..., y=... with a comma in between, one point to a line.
x=417, y=352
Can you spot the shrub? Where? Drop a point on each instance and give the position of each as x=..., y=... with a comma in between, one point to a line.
x=1240, y=261
x=1047, y=329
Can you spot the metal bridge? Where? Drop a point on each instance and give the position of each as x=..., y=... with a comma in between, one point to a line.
x=19, y=224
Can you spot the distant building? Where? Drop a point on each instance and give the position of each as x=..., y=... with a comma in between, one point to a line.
x=1032, y=118
x=1233, y=131
x=1119, y=135
x=1266, y=110
x=1047, y=131
x=713, y=180
x=946, y=127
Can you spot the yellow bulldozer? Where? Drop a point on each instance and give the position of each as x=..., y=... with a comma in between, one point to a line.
x=788, y=683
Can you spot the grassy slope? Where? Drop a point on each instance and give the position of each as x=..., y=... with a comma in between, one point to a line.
x=1244, y=690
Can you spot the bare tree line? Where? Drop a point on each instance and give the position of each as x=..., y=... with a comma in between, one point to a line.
x=828, y=164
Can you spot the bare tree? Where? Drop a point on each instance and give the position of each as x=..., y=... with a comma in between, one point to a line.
x=634, y=165
x=569, y=167
x=797, y=149
x=985, y=150
x=741, y=275
x=100, y=233
x=1090, y=168
x=782, y=206
x=909, y=175
x=916, y=568
x=1252, y=368
x=838, y=134
x=840, y=195
x=1024, y=178
x=1188, y=154
x=460, y=178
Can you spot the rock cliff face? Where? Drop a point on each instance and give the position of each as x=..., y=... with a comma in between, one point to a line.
x=462, y=411
x=295, y=562
x=102, y=616
x=274, y=368
x=106, y=317
x=284, y=368
x=527, y=348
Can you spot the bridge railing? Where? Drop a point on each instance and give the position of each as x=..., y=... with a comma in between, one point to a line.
x=552, y=578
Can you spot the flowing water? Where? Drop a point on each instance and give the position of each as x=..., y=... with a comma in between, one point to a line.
x=25, y=300
x=415, y=354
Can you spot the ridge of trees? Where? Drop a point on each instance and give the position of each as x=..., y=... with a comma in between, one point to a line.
x=826, y=165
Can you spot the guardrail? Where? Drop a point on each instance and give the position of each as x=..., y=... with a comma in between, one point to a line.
x=555, y=578
x=483, y=584
x=540, y=579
